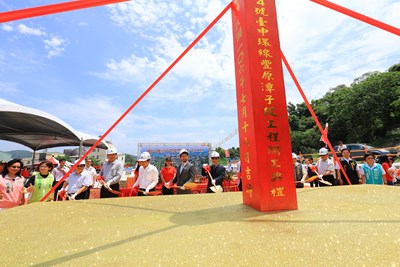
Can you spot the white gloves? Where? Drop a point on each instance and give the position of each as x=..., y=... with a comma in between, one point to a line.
x=213, y=182
x=107, y=185
x=320, y=176
x=73, y=197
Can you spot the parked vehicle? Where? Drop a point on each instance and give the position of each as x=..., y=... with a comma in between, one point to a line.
x=358, y=150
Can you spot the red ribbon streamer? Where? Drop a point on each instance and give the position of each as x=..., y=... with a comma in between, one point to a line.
x=140, y=98
x=52, y=9
x=358, y=16
x=296, y=82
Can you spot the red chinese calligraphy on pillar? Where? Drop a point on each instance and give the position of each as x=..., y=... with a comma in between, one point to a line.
x=265, y=146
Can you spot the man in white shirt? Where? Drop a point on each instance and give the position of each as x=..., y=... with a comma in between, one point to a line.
x=325, y=168
x=148, y=175
x=90, y=169
x=111, y=173
x=59, y=173
x=341, y=146
x=77, y=184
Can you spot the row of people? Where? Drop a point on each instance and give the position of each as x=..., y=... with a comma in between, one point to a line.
x=78, y=183
x=326, y=172
x=180, y=178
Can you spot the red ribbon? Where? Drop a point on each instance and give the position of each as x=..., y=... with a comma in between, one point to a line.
x=207, y=168
x=313, y=168
x=61, y=194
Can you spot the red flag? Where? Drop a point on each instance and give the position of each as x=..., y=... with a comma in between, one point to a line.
x=226, y=153
x=324, y=136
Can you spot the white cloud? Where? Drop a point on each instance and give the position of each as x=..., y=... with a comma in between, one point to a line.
x=94, y=115
x=55, y=46
x=7, y=27
x=326, y=48
x=196, y=101
x=7, y=88
x=22, y=28
x=164, y=36
x=83, y=24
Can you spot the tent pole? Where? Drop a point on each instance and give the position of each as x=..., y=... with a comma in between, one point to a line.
x=80, y=148
x=33, y=160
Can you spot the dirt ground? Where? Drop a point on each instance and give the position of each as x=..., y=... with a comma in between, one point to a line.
x=334, y=226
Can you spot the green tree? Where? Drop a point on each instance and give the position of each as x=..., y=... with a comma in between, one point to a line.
x=394, y=68
x=95, y=162
x=130, y=159
x=234, y=152
x=221, y=152
x=67, y=158
x=367, y=111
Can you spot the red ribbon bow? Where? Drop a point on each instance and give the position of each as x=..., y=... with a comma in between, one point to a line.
x=61, y=194
x=313, y=168
x=207, y=168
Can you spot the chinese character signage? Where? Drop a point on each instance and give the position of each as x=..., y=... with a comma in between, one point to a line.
x=265, y=146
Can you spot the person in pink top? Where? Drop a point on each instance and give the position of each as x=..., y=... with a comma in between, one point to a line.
x=11, y=185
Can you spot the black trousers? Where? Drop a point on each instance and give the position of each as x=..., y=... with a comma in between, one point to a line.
x=57, y=189
x=104, y=193
x=329, y=178
x=167, y=191
x=83, y=195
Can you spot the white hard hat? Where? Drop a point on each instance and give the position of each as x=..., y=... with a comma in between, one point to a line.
x=323, y=151
x=183, y=151
x=111, y=151
x=82, y=162
x=145, y=156
x=294, y=156
x=214, y=154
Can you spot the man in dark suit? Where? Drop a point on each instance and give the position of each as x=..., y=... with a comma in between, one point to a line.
x=350, y=167
x=217, y=172
x=185, y=173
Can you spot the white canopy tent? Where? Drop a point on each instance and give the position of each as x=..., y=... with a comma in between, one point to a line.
x=38, y=129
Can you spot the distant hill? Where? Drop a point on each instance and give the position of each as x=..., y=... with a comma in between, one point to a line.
x=19, y=154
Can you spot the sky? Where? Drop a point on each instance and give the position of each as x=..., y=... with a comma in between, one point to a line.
x=87, y=67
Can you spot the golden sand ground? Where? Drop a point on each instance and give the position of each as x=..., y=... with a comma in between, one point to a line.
x=336, y=226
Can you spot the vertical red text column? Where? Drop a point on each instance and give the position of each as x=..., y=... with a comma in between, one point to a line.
x=264, y=136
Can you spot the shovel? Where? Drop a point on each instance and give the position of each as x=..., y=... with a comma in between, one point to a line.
x=215, y=188
x=321, y=180
x=115, y=192
x=150, y=193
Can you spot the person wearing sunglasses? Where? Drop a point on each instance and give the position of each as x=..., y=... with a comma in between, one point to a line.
x=372, y=172
x=216, y=171
x=12, y=185
x=77, y=184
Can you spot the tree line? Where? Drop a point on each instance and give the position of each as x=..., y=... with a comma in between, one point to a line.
x=366, y=111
